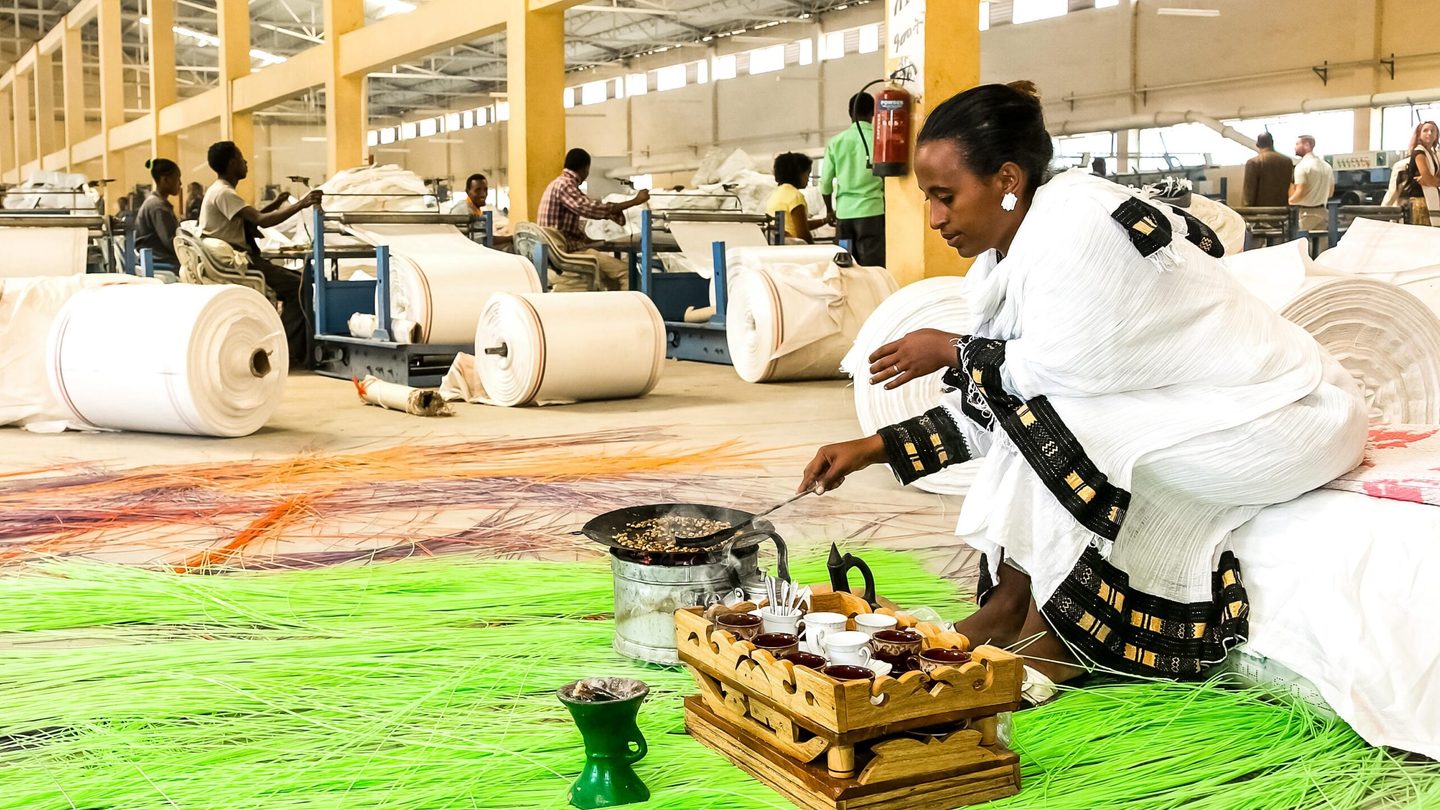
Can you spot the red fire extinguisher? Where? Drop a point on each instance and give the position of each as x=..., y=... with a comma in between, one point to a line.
x=892, y=131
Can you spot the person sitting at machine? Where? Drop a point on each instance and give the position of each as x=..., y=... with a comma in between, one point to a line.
x=792, y=173
x=1132, y=402
x=225, y=215
x=194, y=196
x=477, y=188
x=156, y=223
x=564, y=206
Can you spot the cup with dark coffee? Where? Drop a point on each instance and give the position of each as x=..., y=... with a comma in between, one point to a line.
x=848, y=672
x=777, y=644
x=801, y=658
x=743, y=626
x=931, y=660
x=896, y=647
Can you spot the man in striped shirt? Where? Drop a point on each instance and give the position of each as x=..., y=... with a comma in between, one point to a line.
x=563, y=206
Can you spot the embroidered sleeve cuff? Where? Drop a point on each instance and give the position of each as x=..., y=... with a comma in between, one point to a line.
x=926, y=444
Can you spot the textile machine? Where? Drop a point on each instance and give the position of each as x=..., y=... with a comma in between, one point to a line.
x=675, y=293
x=335, y=351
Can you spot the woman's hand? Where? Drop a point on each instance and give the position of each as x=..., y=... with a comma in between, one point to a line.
x=835, y=461
x=922, y=352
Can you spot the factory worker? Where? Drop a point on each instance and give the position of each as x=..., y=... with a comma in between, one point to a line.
x=792, y=173
x=477, y=188
x=155, y=222
x=1132, y=403
x=1312, y=187
x=564, y=206
x=854, y=196
x=225, y=215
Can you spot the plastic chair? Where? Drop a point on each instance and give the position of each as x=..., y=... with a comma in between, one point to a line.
x=213, y=261
x=559, y=258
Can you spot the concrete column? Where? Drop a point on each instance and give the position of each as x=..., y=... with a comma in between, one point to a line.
x=45, y=132
x=162, y=75
x=1125, y=141
x=535, y=73
x=73, y=79
x=234, y=34
x=346, y=117
x=8, y=160
x=112, y=100
x=23, y=91
x=949, y=46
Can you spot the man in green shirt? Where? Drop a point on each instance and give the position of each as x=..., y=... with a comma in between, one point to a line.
x=857, y=208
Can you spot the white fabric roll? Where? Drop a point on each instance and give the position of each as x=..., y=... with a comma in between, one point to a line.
x=1405, y=255
x=169, y=358
x=442, y=280
x=793, y=313
x=1388, y=339
x=1342, y=587
x=933, y=303
x=43, y=252
x=569, y=348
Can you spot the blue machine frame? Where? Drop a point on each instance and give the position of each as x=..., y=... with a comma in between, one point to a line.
x=336, y=352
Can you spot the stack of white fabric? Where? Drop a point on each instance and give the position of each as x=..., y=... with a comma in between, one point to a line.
x=794, y=312
x=1388, y=339
x=934, y=303
x=1407, y=256
x=53, y=191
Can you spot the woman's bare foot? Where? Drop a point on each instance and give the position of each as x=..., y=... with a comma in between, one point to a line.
x=1047, y=654
x=1001, y=620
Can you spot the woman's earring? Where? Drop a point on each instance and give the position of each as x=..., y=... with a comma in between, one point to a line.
x=1008, y=201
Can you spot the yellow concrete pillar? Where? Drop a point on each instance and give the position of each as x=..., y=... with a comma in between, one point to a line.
x=112, y=100
x=162, y=75
x=72, y=76
x=535, y=73
x=22, y=92
x=45, y=140
x=941, y=38
x=8, y=160
x=346, y=116
x=234, y=35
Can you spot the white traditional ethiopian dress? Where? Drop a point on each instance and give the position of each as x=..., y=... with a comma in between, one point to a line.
x=1134, y=404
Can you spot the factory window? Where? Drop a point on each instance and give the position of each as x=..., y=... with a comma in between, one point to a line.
x=767, y=60
x=1031, y=10
x=502, y=111
x=637, y=84
x=1078, y=150
x=482, y=116
x=985, y=15
x=452, y=122
x=724, y=67
x=1397, y=124
x=702, y=71
x=593, y=92
x=408, y=130
x=568, y=98
x=670, y=78
x=870, y=38
x=617, y=88
x=387, y=135
x=1334, y=131
x=804, y=51
x=467, y=119
x=642, y=181
x=428, y=127
x=373, y=138
x=832, y=45
x=1106, y=3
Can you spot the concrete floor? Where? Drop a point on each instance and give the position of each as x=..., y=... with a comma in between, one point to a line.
x=696, y=405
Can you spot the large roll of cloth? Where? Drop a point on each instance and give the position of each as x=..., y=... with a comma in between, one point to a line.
x=204, y=360
x=793, y=313
x=540, y=348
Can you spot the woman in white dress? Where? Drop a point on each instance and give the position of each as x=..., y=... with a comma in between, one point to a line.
x=1133, y=404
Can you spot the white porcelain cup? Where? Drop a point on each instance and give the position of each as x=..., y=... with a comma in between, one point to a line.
x=872, y=623
x=848, y=647
x=820, y=625
x=781, y=620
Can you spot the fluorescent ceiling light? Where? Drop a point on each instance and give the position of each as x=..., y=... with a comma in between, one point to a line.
x=650, y=12
x=1188, y=12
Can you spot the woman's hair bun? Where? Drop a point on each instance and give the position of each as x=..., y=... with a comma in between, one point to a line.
x=1026, y=87
x=149, y=164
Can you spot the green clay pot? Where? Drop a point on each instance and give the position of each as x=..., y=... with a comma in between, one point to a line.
x=613, y=744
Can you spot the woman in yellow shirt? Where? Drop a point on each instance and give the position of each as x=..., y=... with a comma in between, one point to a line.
x=792, y=172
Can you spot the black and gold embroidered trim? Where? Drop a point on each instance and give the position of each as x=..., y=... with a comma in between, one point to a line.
x=1201, y=235
x=974, y=406
x=1116, y=626
x=1148, y=229
x=1047, y=444
x=926, y=444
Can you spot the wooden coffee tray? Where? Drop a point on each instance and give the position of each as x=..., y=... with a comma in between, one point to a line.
x=776, y=719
